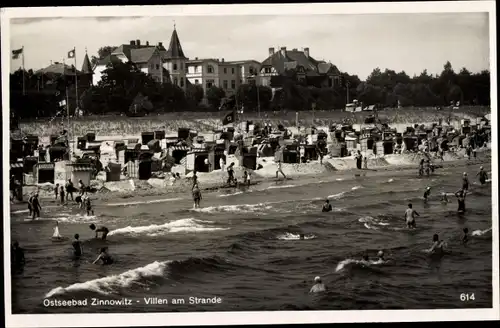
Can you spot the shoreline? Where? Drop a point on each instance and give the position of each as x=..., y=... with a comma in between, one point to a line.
x=213, y=182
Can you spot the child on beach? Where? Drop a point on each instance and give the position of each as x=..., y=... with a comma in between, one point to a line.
x=365, y=163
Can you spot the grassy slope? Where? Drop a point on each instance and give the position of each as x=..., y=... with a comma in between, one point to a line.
x=122, y=125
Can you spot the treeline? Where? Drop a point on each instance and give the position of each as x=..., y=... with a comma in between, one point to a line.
x=127, y=90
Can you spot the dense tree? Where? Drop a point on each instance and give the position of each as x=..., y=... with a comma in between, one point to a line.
x=102, y=53
x=215, y=96
x=121, y=83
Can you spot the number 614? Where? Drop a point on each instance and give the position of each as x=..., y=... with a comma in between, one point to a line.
x=464, y=297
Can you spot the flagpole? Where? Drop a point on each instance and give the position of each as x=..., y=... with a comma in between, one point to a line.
x=76, y=81
x=24, y=85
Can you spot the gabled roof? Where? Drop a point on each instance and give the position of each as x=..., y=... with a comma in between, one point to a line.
x=293, y=59
x=58, y=68
x=107, y=60
x=123, y=49
x=175, y=48
x=86, y=67
x=142, y=55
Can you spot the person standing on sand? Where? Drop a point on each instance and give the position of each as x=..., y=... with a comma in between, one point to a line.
x=279, y=170
x=365, y=163
x=61, y=193
x=36, y=207
x=222, y=165
x=56, y=190
x=359, y=159
x=69, y=189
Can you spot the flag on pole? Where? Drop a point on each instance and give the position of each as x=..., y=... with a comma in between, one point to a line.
x=71, y=53
x=16, y=53
x=62, y=103
x=229, y=118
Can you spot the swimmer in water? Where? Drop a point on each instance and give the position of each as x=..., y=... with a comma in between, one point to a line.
x=427, y=193
x=465, y=182
x=102, y=229
x=437, y=245
x=410, y=217
x=380, y=256
x=483, y=176
x=465, y=237
x=460, y=194
x=77, y=246
x=327, y=207
x=103, y=257
x=318, y=286
x=302, y=236
x=196, y=196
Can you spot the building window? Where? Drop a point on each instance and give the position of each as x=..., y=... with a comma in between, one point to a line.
x=224, y=84
x=225, y=70
x=182, y=66
x=175, y=67
x=209, y=84
x=196, y=82
x=175, y=81
x=182, y=82
x=330, y=82
x=250, y=70
x=233, y=84
x=232, y=70
x=210, y=69
x=157, y=66
x=241, y=81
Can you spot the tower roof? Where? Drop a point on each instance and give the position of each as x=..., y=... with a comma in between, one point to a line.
x=175, y=48
x=86, y=67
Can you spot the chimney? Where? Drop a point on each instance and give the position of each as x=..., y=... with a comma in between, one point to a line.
x=195, y=58
x=294, y=49
x=283, y=51
x=160, y=44
x=138, y=42
x=147, y=43
x=222, y=60
x=271, y=51
x=132, y=43
x=306, y=52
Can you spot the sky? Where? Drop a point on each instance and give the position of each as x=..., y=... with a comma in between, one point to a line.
x=356, y=44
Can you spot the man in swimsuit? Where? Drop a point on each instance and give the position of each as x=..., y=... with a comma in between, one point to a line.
x=318, y=286
x=36, y=207
x=103, y=257
x=427, y=193
x=465, y=182
x=230, y=173
x=77, y=246
x=56, y=190
x=102, y=229
x=30, y=204
x=444, y=198
x=88, y=206
x=279, y=170
x=410, y=217
x=196, y=196
x=69, y=189
x=421, y=167
x=327, y=207
x=483, y=176
x=460, y=194
x=437, y=245
x=61, y=192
